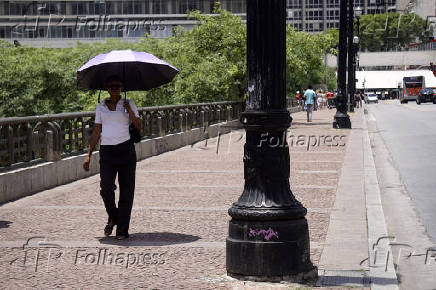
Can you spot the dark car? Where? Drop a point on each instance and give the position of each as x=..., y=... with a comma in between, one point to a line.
x=426, y=95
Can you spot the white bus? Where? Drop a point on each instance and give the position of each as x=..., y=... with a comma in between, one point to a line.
x=411, y=88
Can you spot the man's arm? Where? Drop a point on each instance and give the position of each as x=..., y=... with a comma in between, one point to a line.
x=133, y=113
x=94, y=140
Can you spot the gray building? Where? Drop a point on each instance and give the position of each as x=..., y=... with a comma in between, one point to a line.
x=50, y=21
x=320, y=15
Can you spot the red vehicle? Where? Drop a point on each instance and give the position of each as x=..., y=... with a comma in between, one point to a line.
x=411, y=88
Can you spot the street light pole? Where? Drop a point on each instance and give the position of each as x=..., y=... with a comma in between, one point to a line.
x=341, y=118
x=268, y=233
x=351, y=77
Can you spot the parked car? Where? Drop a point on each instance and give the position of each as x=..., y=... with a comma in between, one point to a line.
x=426, y=95
x=371, y=98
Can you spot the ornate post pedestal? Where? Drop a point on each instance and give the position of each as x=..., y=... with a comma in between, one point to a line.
x=268, y=234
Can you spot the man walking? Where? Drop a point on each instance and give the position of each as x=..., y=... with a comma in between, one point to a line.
x=309, y=95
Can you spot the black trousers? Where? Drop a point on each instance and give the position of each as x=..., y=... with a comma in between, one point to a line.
x=118, y=159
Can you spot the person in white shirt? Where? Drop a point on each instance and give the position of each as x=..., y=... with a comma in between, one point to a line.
x=319, y=101
x=113, y=117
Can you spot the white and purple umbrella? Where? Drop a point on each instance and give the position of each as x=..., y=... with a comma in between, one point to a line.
x=140, y=71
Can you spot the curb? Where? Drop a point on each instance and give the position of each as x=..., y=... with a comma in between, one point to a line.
x=382, y=271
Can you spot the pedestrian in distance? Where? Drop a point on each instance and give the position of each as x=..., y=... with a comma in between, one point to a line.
x=113, y=117
x=298, y=96
x=309, y=96
x=319, y=100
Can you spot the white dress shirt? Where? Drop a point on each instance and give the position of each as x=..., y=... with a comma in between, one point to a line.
x=115, y=124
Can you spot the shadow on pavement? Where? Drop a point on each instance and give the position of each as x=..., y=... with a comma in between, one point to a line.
x=311, y=123
x=151, y=239
x=4, y=224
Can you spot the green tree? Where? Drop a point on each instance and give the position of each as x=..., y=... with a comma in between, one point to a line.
x=304, y=58
x=211, y=59
x=381, y=32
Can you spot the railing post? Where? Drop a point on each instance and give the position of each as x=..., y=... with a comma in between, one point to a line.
x=48, y=146
x=84, y=134
x=181, y=127
x=11, y=144
x=188, y=119
x=29, y=140
x=206, y=116
x=202, y=119
x=217, y=114
x=160, y=130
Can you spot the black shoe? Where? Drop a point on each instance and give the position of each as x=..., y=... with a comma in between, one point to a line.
x=122, y=237
x=109, y=228
x=122, y=234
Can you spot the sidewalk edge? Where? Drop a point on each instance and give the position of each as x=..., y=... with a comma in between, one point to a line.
x=382, y=271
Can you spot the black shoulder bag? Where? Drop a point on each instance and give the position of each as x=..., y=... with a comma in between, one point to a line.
x=134, y=133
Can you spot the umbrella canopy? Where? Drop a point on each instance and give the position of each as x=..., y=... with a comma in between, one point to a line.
x=140, y=71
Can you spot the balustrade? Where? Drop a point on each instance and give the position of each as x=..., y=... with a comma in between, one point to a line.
x=28, y=140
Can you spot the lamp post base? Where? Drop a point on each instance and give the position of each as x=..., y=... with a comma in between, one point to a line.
x=269, y=250
x=341, y=121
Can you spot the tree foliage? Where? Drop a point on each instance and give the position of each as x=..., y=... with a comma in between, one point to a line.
x=381, y=32
x=304, y=58
x=211, y=58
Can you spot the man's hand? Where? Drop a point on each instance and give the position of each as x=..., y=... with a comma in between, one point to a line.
x=86, y=163
x=126, y=106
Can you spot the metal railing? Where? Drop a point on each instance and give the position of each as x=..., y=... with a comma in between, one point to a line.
x=28, y=140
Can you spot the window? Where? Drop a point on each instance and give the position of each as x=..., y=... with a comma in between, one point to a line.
x=195, y=5
x=183, y=6
x=314, y=15
x=294, y=14
x=333, y=3
x=313, y=3
x=82, y=8
x=4, y=8
x=333, y=14
x=17, y=8
x=137, y=7
x=156, y=7
x=237, y=6
x=293, y=3
x=110, y=8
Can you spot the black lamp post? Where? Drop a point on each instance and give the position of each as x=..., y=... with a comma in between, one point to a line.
x=350, y=51
x=353, y=44
x=341, y=118
x=268, y=234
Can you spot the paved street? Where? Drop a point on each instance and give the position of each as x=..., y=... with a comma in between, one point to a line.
x=409, y=132
x=179, y=220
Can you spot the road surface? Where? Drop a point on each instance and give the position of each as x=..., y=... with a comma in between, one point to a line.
x=409, y=132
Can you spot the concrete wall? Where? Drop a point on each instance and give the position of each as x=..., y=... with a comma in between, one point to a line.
x=403, y=58
x=26, y=181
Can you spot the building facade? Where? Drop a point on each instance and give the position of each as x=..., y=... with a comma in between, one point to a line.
x=27, y=21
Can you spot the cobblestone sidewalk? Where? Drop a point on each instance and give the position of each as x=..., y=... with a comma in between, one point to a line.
x=179, y=220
